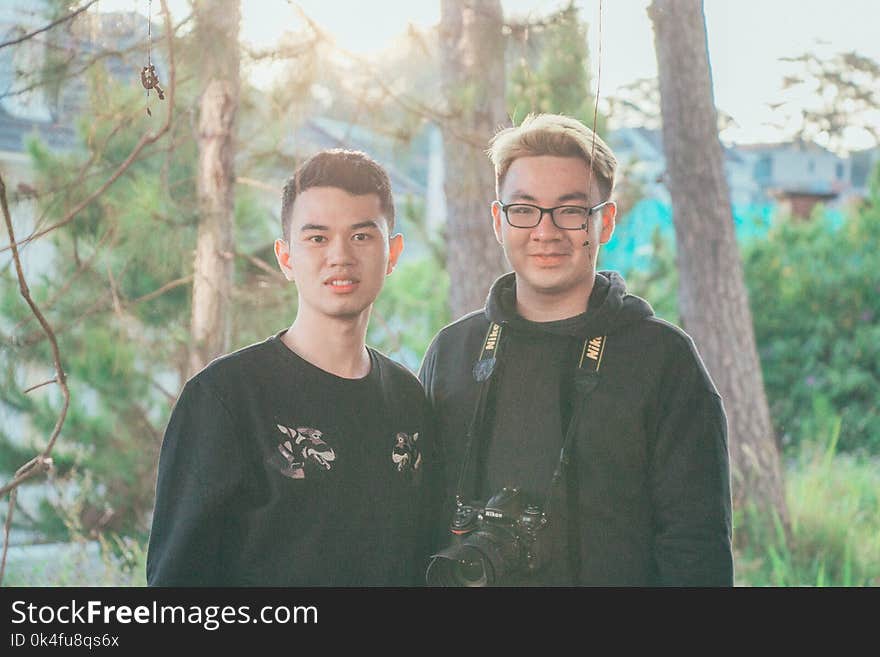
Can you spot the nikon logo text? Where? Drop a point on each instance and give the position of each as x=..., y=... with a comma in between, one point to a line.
x=594, y=347
x=492, y=340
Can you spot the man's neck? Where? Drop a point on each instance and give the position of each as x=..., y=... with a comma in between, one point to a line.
x=548, y=307
x=334, y=345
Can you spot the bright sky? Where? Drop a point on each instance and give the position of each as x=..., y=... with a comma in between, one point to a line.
x=746, y=39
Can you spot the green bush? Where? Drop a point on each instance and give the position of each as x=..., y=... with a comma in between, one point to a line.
x=815, y=298
x=814, y=291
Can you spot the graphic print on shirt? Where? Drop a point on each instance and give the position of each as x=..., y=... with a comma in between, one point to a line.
x=406, y=455
x=304, y=450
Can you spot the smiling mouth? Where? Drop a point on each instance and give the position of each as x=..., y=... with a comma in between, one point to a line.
x=341, y=285
x=548, y=258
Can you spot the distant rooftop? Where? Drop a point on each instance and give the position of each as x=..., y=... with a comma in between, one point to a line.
x=14, y=133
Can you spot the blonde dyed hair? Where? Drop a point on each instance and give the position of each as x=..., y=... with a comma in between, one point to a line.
x=553, y=134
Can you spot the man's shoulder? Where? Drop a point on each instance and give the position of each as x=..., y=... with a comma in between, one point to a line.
x=394, y=373
x=237, y=365
x=671, y=348
x=473, y=322
x=653, y=331
x=659, y=330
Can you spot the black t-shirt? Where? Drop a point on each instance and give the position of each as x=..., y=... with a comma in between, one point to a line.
x=528, y=413
x=274, y=472
x=528, y=416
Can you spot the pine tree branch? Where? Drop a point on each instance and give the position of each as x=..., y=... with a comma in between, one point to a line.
x=446, y=121
x=145, y=140
x=43, y=462
x=45, y=28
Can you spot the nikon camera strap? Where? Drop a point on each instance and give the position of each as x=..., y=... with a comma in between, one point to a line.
x=483, y=369
x=585, y=381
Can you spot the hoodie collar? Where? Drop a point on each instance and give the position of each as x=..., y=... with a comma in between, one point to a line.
x=609, y=308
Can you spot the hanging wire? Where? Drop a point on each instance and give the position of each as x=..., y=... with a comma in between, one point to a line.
x=149, y=36
x=149, y=79
x=596, y=108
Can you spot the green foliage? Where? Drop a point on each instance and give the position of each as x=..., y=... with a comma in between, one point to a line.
x=815, y=304
x=658, y=283
x=135, y=238
x=814, y=292
x=551, y=73
x=410, y=311
x=834, y=504
x=413, y=305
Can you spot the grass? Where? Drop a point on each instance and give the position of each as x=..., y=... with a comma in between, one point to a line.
x=834, y=507
x=79, y=563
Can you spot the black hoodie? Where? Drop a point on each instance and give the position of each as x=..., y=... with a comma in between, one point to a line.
x=646, y=500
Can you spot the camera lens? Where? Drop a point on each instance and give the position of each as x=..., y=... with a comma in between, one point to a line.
x=467, y=567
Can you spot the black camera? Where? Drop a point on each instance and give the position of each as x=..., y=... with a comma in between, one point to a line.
x=490, y=542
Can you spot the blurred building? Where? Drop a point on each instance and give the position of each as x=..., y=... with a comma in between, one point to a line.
x=786, y=179
x=794, y=176
x=798, y=175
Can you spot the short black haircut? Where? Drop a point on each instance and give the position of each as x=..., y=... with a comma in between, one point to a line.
x=352, y=171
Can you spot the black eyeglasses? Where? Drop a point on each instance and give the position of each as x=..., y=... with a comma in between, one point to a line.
x=564, y=217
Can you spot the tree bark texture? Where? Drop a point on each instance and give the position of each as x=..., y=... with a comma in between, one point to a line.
x=713, y=300
x=472, y=46
x=217, y=25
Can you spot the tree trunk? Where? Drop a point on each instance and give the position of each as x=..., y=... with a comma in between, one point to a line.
x=713, y=301
x=217, y=24
x=472, y=44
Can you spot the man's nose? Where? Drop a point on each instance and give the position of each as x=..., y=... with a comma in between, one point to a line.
x=545, y=229
x=339, y=252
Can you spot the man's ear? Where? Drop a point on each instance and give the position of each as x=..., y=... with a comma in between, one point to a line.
x=282, y=255
x=497, y=220
x=395, y=244
x=609, y=218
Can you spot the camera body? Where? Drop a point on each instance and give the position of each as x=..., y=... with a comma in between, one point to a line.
x=490, y=541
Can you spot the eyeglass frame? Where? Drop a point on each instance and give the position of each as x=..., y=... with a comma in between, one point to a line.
x=550, y=211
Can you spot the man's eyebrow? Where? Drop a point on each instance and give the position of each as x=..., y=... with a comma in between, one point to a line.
x=521, y=195
x=372, y=223
x=573, y=196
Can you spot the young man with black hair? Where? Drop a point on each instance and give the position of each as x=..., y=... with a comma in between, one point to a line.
x=601, y=415
x=304, y=460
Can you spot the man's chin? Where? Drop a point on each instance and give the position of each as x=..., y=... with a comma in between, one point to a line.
x=349, y=311
x=552, y=283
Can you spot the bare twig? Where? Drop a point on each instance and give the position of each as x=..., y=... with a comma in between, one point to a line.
x=45, y=28
x=159, y=291
x=70, y=279
x=117, y=306
x=408, y=104
x=102, y=305
x=37, y=465
x=394, y=336
x=258, y=184
x=82, y=68
x=168, y=395
x=6, y=527
x=144, y=141
x=43, y=462
x=54, y=379
x=262, y=264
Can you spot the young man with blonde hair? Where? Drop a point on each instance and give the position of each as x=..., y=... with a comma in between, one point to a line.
x=568, y=390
